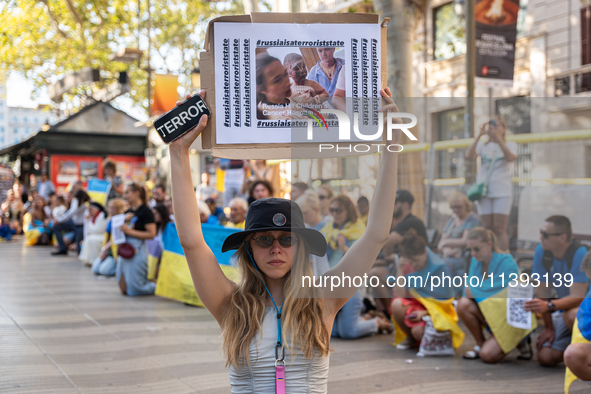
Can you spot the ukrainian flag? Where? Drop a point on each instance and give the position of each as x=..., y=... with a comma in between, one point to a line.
x=437, y=300
x=581, y=334
x=174, y=277
x=98, y=190
x=491, y=296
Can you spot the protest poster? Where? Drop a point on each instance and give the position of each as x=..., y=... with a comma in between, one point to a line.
x=254, y=121
x=517, y=296
x=117, y=235
x=496, y=33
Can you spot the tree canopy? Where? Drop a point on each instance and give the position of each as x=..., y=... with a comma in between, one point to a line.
x=46, y=39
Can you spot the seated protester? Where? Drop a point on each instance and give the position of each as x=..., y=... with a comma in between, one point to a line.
x=216, y=211
x=577, y=355
x=310, y=206
x=297, y=190
x=455, y=236
x=105, y=263
x=259, y=188
x=341, y=233
x=13, y=208
x=385, y=263
x=36, y=229
x=557, y=256
x=419, y=299
x=205, y=214
x=238, y=207
x=132, y=271
x=168, y=205
x=5, y=230
x=51, y=201
x=485, y=305
x=96, y=224
x=72, y=220
x=60, y=207
x=155, y=246
x=363, y=208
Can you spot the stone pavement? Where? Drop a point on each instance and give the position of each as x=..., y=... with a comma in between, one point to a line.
x=63, y=330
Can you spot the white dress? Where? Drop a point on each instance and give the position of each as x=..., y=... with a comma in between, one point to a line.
x=93, y=239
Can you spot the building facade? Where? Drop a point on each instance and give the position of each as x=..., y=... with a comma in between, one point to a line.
x=17, y=123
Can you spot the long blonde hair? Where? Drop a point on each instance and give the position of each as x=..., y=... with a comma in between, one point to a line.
x=301, y=317
x=485, y=235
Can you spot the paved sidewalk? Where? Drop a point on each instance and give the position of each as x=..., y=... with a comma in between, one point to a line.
x=63, y=330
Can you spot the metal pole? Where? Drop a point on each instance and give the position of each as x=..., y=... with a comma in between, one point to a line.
x=149, y=26
x=470, y=66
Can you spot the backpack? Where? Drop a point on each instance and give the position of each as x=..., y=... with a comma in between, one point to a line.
x=569, y=255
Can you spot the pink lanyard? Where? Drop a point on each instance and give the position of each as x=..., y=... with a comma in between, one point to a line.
x=279, y=369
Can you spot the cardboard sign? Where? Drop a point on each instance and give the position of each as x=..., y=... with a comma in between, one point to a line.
x=254, y=119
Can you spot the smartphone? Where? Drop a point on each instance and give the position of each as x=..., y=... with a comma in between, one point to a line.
x=492, y=123
x=181, y=119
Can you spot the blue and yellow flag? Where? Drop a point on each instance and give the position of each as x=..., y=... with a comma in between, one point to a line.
x=437, y=300
x=581, y=334
x=98, y=190
x=174, y=277
x=491, y=296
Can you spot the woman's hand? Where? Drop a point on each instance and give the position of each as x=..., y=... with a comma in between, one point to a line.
x=184, y=142
x=104, y=253
x=494, y=134
x=129, y=216
x=418, y=316
x=124, y=229
x=483, y=130
x=342, y=243
x=390, y=106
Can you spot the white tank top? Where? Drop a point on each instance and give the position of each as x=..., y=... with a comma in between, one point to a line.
x=301, y=375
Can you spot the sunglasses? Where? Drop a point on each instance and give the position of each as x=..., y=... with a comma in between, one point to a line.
x=336, y=211
x=265, y=241
x=456, y=206
x=547, y=235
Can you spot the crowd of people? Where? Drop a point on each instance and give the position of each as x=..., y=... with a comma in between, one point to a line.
x=421, y=316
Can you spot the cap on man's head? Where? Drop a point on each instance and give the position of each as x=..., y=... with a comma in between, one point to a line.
x=209, y=200
x=404, y=196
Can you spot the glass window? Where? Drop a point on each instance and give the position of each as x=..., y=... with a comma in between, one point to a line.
x=15, y=130
x=586, y=35
x=449, y=33
x=25, y=120
x=452, y=163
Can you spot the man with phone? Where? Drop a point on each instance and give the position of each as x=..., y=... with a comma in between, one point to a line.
x=558, y=258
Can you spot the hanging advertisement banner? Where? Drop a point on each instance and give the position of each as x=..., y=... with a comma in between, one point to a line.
x=496, y=33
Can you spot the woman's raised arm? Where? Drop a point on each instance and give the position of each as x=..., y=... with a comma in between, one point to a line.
x=209, y=280
x=362, y=254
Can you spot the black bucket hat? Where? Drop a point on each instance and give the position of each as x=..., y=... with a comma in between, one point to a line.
x=276, y=214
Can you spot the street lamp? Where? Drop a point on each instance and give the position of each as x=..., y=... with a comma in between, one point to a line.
x=196, y=78
x=46, y=126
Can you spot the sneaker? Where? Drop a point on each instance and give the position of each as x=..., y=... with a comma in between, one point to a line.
x=407, y=343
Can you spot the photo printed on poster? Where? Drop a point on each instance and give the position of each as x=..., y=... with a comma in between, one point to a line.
x=267, y=84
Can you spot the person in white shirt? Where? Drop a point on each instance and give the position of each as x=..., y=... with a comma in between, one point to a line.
x=495, y=206
x=72, y=220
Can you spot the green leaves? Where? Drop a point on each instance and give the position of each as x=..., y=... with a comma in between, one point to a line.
x=45, y=39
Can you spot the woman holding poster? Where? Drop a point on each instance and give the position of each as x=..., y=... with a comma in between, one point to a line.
x=284, y=340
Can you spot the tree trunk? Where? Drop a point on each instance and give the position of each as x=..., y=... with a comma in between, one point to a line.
x=401, y=38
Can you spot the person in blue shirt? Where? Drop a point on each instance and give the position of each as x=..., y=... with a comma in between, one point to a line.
x=577, y=356
x=557, y=264
x=326, y=71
